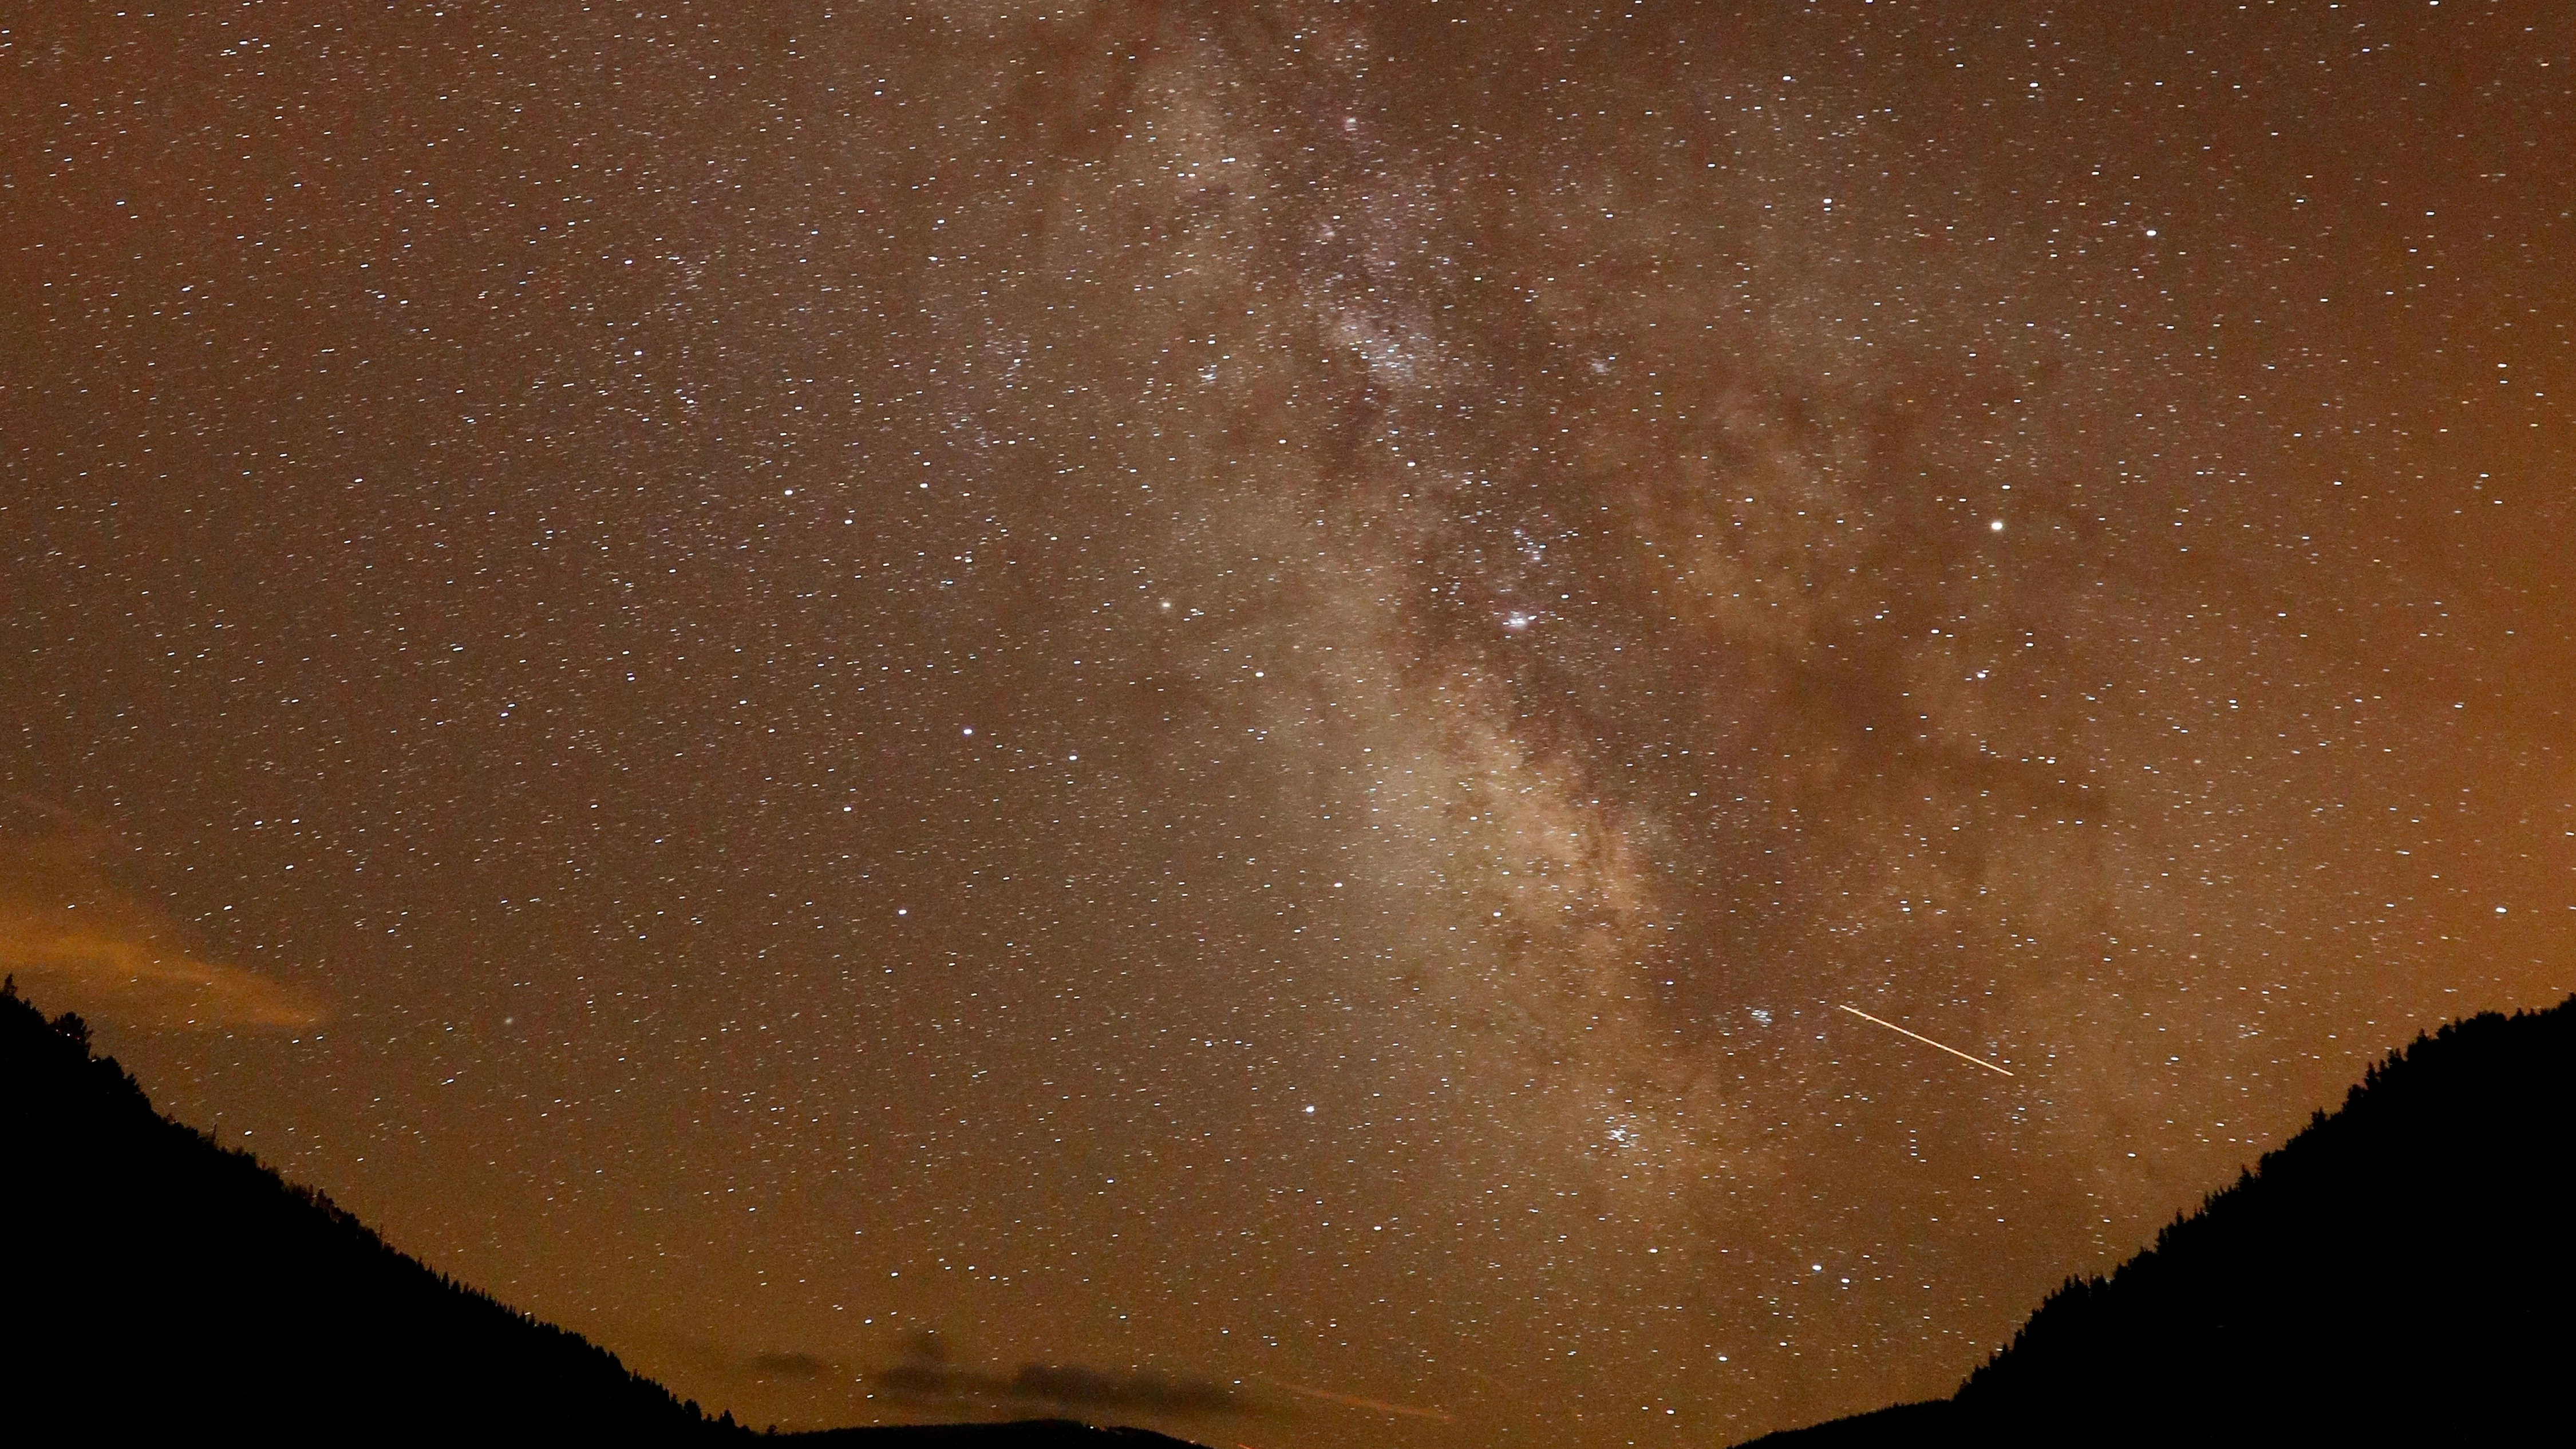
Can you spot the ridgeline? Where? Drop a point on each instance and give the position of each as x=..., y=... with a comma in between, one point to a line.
x=2399, y=1271
x=163, y=1288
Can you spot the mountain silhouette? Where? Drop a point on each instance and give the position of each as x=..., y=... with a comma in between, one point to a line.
x=163, y=1288
x=2397, y=1272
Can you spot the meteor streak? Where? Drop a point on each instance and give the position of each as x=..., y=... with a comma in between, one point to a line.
x=1353, y=1401
x=1927, y=1041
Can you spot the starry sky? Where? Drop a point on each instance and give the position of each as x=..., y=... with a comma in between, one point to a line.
x=1197, y=713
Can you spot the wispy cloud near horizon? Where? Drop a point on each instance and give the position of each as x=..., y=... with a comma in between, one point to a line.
x=928, y=1373
x=78, y=941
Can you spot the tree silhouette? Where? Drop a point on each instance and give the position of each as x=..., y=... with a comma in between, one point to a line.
x=2399, y=1270
x=164, y=1288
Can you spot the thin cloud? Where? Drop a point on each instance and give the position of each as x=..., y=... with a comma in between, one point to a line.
x=789, y=1366
x=1075, y=1386
x=929, y=1373
x=76, y=940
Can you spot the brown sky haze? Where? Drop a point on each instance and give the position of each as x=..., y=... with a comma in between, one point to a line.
x=1225, y=693
x=79, y=943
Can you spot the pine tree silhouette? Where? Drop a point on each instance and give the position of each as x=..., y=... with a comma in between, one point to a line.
x=2398, y=1270
x=163, y=1288
x=182, y=1283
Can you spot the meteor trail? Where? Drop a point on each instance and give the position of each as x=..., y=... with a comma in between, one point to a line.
x=1354, y=1401
x=1927, y=1041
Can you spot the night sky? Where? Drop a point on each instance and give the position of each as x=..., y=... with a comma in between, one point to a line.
x=1194, y=713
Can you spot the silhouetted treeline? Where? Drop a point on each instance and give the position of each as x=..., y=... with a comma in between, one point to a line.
x=160, y=1288
x=2399, y=1271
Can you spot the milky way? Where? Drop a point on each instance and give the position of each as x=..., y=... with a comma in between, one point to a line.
x=1197, y=714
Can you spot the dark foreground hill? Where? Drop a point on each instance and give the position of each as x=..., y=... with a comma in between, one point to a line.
x=2400, y=1271
x=162, y=1288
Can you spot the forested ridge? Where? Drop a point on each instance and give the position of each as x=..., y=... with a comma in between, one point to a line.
x=2398, y=1271
x=182, y=1284
x=162, y=1286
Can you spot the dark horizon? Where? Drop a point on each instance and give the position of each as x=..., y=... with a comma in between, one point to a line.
x=185, y=1289
x=2337, y=1289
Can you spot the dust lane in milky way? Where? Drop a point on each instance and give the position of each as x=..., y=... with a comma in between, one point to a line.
x=1194, y=714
